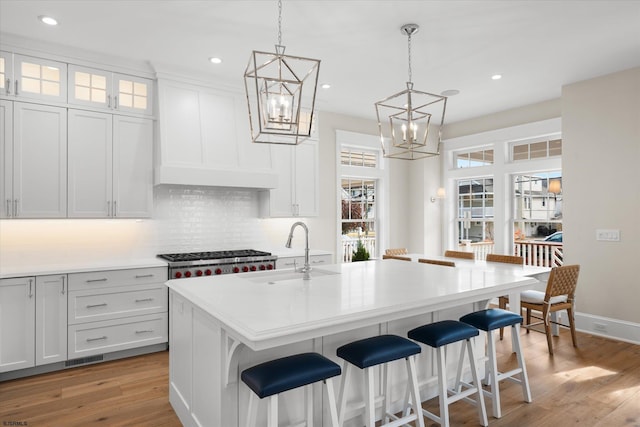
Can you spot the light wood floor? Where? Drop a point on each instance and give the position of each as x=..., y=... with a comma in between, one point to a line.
x=597, y=384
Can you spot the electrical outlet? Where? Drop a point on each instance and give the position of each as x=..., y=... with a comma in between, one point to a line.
x=608, y=235
x=600, y=327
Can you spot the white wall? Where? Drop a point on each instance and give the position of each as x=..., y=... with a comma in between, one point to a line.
x=601, y=151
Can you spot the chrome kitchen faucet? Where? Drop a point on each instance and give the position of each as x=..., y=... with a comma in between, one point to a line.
x=307, y=268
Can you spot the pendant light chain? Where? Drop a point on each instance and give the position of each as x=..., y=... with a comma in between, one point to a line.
x=409, y=44
x=279, y=22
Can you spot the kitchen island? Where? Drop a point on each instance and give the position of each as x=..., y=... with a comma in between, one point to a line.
x=222, y=325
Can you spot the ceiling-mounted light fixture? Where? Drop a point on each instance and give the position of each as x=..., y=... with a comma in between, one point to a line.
x=411, y=115
x=281, y=94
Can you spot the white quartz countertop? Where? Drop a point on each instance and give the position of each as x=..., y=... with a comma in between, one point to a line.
x=265, y=309
x=42, y=267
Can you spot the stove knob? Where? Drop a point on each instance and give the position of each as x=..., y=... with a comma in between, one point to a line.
x=253, y=268
x=269, y=267
x=236, y=270
x=187, y=274
x=178, y=275
x=199, y=273
x=245, y=269
x=262, y=267
x=207, y=272
x=218, y=271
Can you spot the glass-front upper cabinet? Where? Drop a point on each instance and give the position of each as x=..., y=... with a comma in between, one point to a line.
x=33, y=78
x=112, y=91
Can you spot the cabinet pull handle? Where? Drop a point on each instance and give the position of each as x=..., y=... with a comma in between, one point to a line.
x=97, y=339
x=15, y=92
x=108, y=207
x=146, y=331
x=104, y=304
x=144, y=300
x=8, y=86
x=317, y=262
x=115, y=102
x=8, y=208
x=290, y=263
x=115, y=209
x=142, y=276
x=30, y=288
x=15, y=208
x=63, y=280
x=104, y=279
x=108, y=101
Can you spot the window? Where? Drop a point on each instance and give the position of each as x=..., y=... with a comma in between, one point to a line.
x=132, y=94
x=473, y=159
x=3, y=73
x=90, y=87
x=537, y=204
x=41, y=79
x=352, y=157
x=536, y=150
x=475, y=209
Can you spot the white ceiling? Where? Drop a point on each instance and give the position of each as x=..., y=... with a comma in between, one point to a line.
x=537, y=46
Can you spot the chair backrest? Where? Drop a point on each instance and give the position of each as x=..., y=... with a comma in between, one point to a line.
x=401, y=258
x=437, y=262
x=562, y=281
x=460, y=254
x=507, y=259
x=396, y=251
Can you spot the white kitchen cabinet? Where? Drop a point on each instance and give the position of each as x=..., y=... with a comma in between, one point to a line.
x=27, y=77
x=297, y=191
x=110, y=165
x=34, y=147
x=51, y=319
x=204, y=139
x=103, y=89
x=17, y=323
x=116, y=310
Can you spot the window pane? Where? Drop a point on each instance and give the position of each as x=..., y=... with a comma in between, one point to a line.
x=555, y=147
x=51, y=73
x=2, y=73
x=140, y=89
x=140, y=102
x=538, y=150
x=99, y=95
x=30, y=70
x=98, y=81
x=30, y=85
x=82, y=79
x=521, y=152
x=488, y=156
x=50, y=88
x=82, y=93
x=126, y=86
x=126, y=100
x=462, y=160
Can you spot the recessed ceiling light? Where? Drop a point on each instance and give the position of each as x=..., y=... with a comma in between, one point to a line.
x=215, y=60
x=496, y=77
x=48, y=20
x=450, y=92
x=325, y=86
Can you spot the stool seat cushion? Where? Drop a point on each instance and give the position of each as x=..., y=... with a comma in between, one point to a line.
x=442, y=333
x=289, y=372
x=537, y=297
x=376, y=350
x=492, y=318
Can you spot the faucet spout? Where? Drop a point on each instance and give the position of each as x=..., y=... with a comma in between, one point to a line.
x=307, y=268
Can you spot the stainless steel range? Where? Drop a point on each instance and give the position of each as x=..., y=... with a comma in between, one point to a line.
x=194, y=264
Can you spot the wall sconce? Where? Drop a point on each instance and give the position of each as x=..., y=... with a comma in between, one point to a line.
x=440, y=194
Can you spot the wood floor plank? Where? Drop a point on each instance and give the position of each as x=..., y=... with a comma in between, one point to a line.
x=594, y=385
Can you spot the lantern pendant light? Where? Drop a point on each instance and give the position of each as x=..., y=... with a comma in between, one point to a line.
x=281, y=94
x=406, y=119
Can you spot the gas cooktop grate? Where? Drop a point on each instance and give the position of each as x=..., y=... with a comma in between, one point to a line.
x=197, y=256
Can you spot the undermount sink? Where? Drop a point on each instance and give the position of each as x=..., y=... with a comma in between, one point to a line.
x=272, y=277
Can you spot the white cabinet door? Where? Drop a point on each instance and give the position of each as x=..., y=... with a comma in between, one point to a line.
x=17, y=323
x=297, y=191
x=306, y=179
x=34, y=78
x=132, y=167
x=39, y=161
x=51, y=319
x=103, y=89
x=90, y=173
x=6, y=159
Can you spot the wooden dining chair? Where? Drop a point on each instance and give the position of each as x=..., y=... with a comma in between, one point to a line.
x=401, y=258
x=396, y=251
x=460, y=254
x=559, y=295
x=503, y=301
x=437, y=262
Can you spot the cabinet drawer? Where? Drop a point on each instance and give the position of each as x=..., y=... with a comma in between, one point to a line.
x=92, y=305
x=115, y=335
x=108, y=278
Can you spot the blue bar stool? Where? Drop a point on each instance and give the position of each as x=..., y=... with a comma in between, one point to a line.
x=489, y=320
x=369, y=353
x=438, y=335
x=276, y=376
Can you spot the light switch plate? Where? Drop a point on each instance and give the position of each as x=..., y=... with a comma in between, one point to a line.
x=608, y=235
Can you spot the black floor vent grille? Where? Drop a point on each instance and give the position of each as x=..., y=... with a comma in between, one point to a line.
x=84, y=360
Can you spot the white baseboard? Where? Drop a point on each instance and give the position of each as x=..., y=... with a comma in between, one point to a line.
x=606, y=327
